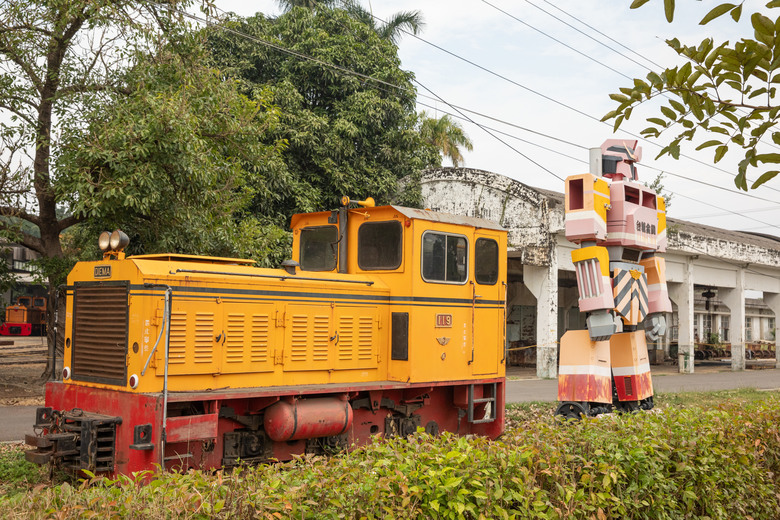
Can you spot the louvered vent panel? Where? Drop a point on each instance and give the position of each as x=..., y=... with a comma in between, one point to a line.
x=100, y=333
x=204, y=337
x=234, y=345
x=259, y=347
x=299, y=339
x=346, y=338
x=365, y=337
x=177, y=350
x=320, y=338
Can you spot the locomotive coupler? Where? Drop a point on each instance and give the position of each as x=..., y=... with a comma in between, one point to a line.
x=73, y=440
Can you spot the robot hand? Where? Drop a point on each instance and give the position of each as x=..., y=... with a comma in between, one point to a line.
x=601, y=325
x=655, y=326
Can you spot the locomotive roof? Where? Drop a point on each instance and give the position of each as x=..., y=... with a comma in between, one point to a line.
x=425, y=214
x=448, y=218
x=193, y=258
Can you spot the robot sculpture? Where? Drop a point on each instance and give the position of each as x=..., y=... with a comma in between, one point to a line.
x=620, y=226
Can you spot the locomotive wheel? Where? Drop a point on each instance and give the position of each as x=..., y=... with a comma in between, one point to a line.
x=627, y=406
x=646, y=404
x=572, y=410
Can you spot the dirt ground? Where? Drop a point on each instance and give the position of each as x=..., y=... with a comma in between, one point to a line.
x=20, y=374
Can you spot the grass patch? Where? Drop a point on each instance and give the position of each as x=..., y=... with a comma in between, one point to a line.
x=707, y=400
x=699, y=455
x=16, y=474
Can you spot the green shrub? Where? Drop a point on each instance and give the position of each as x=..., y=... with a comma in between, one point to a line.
x=722, y=462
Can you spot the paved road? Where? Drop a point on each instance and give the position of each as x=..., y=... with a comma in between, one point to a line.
x=545, y=390
x=15, y=421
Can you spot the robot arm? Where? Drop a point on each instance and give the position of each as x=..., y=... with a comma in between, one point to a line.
x=595, y=288
x=658, y=301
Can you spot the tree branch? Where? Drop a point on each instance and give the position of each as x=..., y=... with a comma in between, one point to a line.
x=27, y=240
x=10, y=211
x=24, y=27
x=69, y=221
x=28, y=70
x=83, y=89
x=28, y=119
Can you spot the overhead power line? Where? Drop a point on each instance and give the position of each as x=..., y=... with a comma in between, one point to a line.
x=676, y=193
x=396, y=87
x=710, y=165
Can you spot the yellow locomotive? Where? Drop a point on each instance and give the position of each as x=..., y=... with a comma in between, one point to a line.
x=389, y=319
x=26, y=317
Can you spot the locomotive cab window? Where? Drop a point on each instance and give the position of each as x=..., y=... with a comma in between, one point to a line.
x=318, y=248
x=379, y=245
x=486, y=261
x=444, y=258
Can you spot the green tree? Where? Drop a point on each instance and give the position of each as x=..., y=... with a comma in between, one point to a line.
x=446, y=136
x=73, y=145
x=346, y=134
x=725, y=91
x=175, y=163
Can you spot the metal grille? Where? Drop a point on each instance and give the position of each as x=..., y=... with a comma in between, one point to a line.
x=95, y=442
x=100, y=320
x=629, y=386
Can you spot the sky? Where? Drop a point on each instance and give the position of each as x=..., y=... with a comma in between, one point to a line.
x=548, y=81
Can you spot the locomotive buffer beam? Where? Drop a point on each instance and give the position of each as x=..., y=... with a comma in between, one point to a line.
x=76, y=440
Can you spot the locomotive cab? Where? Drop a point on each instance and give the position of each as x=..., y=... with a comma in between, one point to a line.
x=446, y=275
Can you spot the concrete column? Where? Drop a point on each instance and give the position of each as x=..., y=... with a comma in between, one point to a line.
x=773, y=302
x=570, y=307
x=682, y=295
x=734, y=299
x=543, y=284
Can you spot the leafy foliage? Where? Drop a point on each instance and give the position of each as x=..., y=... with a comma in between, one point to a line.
x=717, y=462
x=725, y=91
x=175, y=162
x=345, y=134
x=60, y=61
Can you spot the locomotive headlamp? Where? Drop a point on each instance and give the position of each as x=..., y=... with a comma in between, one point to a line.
x=65, y=373
x=119, y=240
x=104, y=242
x=133, y=381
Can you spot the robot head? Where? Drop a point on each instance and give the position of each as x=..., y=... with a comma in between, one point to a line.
x=618, y=158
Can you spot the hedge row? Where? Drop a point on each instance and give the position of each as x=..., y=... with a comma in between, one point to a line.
x=722, y=463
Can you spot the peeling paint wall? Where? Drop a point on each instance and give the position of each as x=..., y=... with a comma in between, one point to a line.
x=731, y=250
x=531, y=218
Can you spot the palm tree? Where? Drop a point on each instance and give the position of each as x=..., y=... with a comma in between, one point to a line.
x=393, y=27
x=446, y=135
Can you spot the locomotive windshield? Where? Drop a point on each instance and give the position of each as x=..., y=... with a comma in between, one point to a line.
x=319, y=245
x=379, y=245
x=445, y=257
